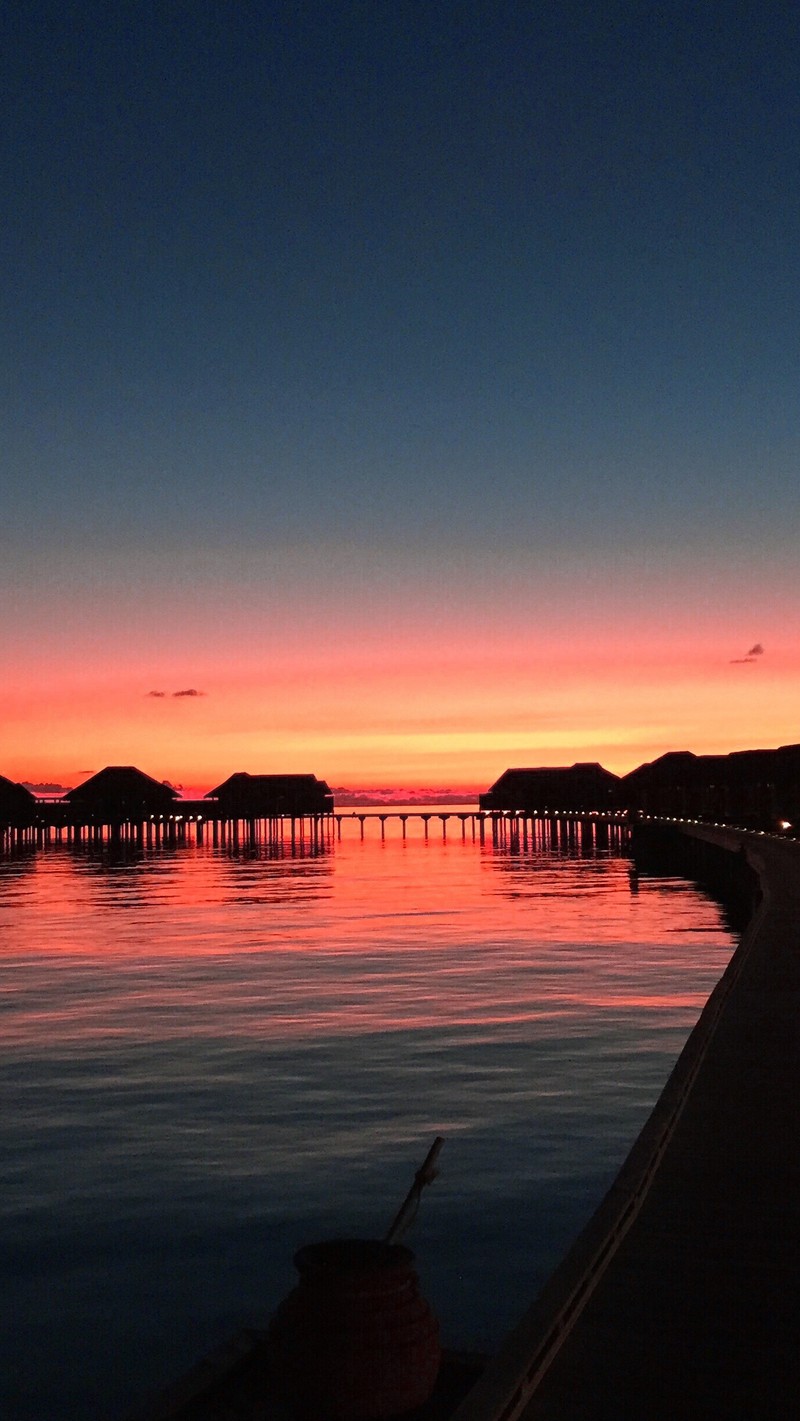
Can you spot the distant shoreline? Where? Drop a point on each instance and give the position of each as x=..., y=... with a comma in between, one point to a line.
x=343, y=798
x=352, y=799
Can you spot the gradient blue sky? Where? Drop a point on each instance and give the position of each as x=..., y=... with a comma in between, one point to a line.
x=356, y=351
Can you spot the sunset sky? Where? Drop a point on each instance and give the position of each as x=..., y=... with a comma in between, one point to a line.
x=416, y=385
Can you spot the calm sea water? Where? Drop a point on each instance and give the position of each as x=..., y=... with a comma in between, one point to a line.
x=208, y=1059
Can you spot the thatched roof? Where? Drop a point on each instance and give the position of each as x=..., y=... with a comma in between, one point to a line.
x=120, y=790
x=17, y=804
x=580, y=786
x=265, y=795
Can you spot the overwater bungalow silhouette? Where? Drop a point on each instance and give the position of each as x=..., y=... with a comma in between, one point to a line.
x=581, y=787
x=121, y=794
x=753, y=788
x=246, y=796
x=17, y=804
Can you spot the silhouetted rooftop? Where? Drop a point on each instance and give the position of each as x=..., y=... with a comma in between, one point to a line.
x=244, y=793
x=123, y=785
x=585, y=785
x=16, y=802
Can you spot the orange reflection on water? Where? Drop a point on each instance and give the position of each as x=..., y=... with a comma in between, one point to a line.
x=371, y=936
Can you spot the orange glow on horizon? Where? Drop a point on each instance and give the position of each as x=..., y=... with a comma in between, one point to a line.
x=448, y=704
x=375, y=743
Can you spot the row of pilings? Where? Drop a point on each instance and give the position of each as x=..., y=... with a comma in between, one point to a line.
x=503, y=829
x=571, y=833
x=514, y=831
x=511, y=831
x=312, y=831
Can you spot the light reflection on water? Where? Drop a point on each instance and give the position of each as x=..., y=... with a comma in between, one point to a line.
x=209, y=1060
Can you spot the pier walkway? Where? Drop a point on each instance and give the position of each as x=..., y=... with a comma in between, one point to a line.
x=681, y=1299
x=204, y=821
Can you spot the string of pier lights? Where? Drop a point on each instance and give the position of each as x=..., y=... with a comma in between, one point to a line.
x=783, y=826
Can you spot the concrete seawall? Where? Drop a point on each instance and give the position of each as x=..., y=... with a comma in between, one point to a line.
x=681, y=1298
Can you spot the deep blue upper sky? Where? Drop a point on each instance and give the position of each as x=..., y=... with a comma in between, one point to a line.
x=400, y=275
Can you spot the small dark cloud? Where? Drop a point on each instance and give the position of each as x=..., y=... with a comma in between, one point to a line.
x=191, y=692
x=752, y=655
x=756, y=650
x=741, y=660
x=157, y=694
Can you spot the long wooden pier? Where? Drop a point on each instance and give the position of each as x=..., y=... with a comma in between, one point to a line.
x=681, y=1299
x=516, y=830
x=201, y=821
